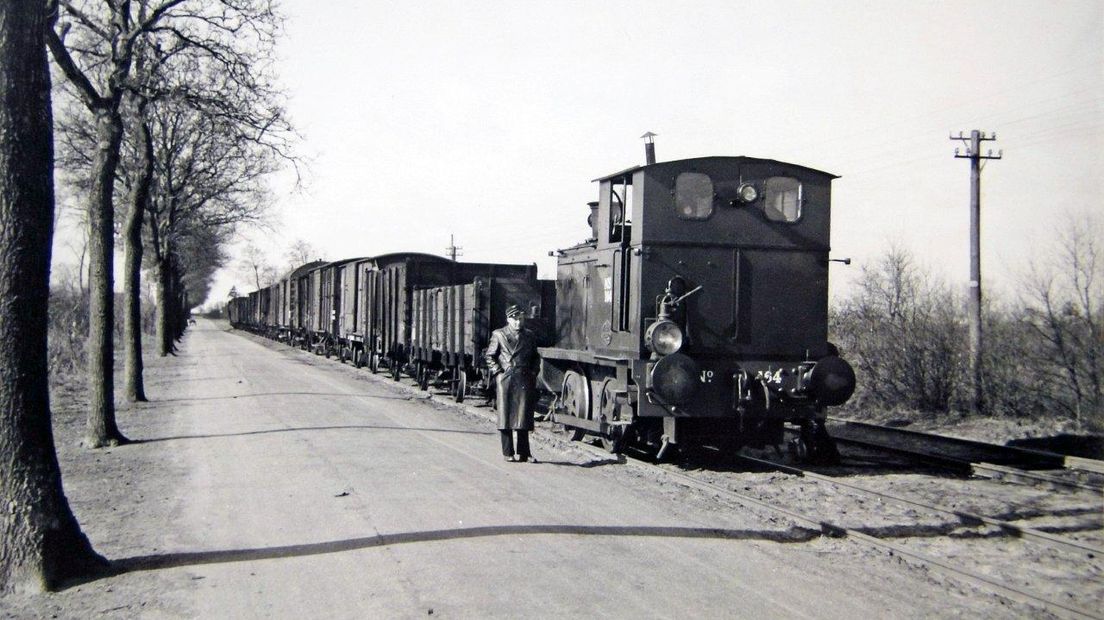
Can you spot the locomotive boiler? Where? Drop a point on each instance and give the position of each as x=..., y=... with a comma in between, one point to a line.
x=697, y=311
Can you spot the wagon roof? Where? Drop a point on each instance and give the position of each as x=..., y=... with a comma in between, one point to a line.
x=305, y=268
x=734, y=160
x=395, y=257
x=346, y=260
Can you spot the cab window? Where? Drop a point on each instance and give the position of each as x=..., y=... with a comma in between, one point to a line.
x=782, y=199
x=620, y=201
x=693, y=196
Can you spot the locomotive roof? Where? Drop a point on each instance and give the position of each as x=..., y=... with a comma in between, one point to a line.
x=681, y=163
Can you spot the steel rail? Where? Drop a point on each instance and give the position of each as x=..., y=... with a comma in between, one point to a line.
x=1084, y=464
x=967, y=517
x=1012, y=474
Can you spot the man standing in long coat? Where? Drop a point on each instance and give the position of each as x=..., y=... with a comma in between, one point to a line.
x=512, y=359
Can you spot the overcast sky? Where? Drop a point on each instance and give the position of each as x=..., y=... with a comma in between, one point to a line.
x=488, y=120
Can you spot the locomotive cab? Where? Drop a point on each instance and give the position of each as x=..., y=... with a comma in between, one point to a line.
x=699, y=307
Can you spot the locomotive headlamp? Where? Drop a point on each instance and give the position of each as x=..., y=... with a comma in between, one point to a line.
x=747, y=193
x=663, y=337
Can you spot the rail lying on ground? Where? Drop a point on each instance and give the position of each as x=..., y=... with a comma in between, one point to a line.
x=972, y=457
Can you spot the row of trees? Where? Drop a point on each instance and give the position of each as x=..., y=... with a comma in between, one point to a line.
x=168, y=108
x=185, y=124
x=1044, y=348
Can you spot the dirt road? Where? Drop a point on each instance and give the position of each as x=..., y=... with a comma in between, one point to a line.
x=268, y=482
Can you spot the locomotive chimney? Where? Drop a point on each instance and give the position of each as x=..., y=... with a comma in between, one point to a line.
x=649, y=148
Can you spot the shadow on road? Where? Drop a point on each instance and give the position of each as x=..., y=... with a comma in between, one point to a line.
x=177, y=560
x=313, y=428
x=261, y=394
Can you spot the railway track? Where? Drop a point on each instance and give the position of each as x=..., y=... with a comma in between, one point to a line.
x=957, y=523
x=885, y=539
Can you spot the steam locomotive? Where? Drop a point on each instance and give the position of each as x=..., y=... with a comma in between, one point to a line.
x=696, y=314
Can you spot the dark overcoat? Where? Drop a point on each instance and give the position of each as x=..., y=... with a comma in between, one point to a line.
x=512, y=359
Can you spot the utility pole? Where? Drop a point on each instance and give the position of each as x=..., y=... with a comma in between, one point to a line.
x=452, y=250
x=973, y=301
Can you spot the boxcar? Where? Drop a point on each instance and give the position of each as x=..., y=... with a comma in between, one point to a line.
x=254, y=321
x=391, y=280
x=349, y=329
x=236, y=311
x=293, y=328
x=452, y=326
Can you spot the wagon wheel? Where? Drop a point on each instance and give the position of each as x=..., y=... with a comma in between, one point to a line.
x=460, y=388
x=575, y=399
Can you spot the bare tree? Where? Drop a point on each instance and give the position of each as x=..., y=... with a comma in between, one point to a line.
x=134, y=387
x=208, y=177
x=254, y=264
x=41, y=542
x=1064, y=303
x=300, y=253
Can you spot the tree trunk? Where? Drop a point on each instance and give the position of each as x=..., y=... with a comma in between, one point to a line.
x=134, y=389
x=164, y=303
x=101, y=429
x=40, y=540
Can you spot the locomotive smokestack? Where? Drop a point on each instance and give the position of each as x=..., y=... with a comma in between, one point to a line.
x=649, y=148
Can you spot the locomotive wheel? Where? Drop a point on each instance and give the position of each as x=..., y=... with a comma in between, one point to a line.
x=575, y=397
x=460, y=388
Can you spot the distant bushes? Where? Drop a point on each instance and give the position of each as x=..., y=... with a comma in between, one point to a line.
x=68, y=329
x=906, y=333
